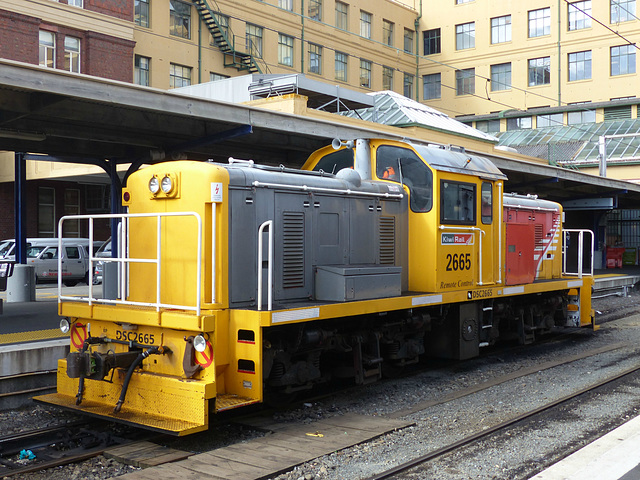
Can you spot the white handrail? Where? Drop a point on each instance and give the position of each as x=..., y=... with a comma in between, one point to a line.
x=580, y=250
x=268, y=223
x=124, y=261
x=306, y=188
x=472, y=230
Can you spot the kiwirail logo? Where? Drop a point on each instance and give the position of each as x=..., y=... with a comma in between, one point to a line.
x=457, y=239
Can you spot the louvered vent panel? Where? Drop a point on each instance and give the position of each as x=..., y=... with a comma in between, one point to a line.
x=293, y=249
x=617, y=113
x=538, y=235
x=387, y=240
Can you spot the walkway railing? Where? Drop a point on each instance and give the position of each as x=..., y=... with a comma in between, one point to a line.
x=124, y=260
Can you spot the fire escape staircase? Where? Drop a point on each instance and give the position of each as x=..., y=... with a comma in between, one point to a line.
x=232, y=56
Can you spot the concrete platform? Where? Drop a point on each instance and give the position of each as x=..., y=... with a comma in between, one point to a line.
x=615, y=456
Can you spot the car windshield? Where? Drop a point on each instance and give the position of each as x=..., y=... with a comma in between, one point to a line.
x=5, y=247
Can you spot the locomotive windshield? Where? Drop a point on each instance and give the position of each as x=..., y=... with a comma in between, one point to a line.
x=396, y=163
x=335, y=161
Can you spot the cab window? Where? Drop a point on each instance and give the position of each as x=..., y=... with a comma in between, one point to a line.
x=458, y=203
x=486, y=207
x=50, y=253
x=33, y=252
x=335, y=161
x=72, y=252
x=401, y=164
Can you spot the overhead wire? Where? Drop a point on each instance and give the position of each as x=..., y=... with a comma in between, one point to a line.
x=427, y=58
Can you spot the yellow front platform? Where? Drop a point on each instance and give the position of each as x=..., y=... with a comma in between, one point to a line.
x=168, y=404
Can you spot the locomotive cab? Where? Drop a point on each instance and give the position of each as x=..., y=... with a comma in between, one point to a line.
x=453, y=242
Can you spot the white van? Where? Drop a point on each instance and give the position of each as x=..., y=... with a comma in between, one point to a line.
x=8, y=247
x=43, y=253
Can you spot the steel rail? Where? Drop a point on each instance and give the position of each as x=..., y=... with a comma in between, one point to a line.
x=496, y=428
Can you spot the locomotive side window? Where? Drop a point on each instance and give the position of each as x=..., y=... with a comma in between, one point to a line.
x=487, y=203
x=335, y=161
x=458, y=203
x=393, y=163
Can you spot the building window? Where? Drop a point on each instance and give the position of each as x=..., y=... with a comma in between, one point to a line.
x=387, y=78
x=365, y=73
x=582, y=116
x=286, y=4
x=488, y=126
x=518, y=123
x=72, y=54
x=432, y=86
x=387, y=32
x=408, y=40
x=285, y=50
x=341, y=66
x=408, y=85
x=550, y=120
x=214, y=77
x=579, y=15
x=539, y=22
x=141, y=70
x=97, y=198
x=46, y=212
x=141, y=13
x=539, y=71
x=431, y=41
x=365, y=24
x=466, y=81
x=47, y=43
x=623, y=10
x=501, y=29
x=623, y=60
x=179, y=76
x=315, y=10
x=254, y=39
x=580, y=66
x=342, y=18
x=500, y=77
x=180, y=21
x=465, y=36
x=71, y=206
x=75, y=3
x=223, y=24
x=315, y=58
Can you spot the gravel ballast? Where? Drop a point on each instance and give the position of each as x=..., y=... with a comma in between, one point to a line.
x=516, y=454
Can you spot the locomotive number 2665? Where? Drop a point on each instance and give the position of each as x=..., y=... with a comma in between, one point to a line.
x=458, y=262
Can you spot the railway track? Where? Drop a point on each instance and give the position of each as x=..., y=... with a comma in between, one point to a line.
x=500, y=427
x=43, y=448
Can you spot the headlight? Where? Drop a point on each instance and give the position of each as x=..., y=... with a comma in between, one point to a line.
x=64, y=325
x=167, y=184
x=154, y=185
x=199, y=343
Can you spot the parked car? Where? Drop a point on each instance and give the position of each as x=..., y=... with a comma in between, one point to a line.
x=74, y=262
x=104, y=251
x=8, y=246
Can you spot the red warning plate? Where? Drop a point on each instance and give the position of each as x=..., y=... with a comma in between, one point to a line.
x=78, y=335
x=205, y=358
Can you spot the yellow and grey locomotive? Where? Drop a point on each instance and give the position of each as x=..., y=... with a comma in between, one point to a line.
x=237, y=281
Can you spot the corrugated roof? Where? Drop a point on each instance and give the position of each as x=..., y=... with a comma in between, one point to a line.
x=391, y=108
x=577, y=144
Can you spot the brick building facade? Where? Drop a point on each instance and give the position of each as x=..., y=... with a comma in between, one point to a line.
x=75, y=38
